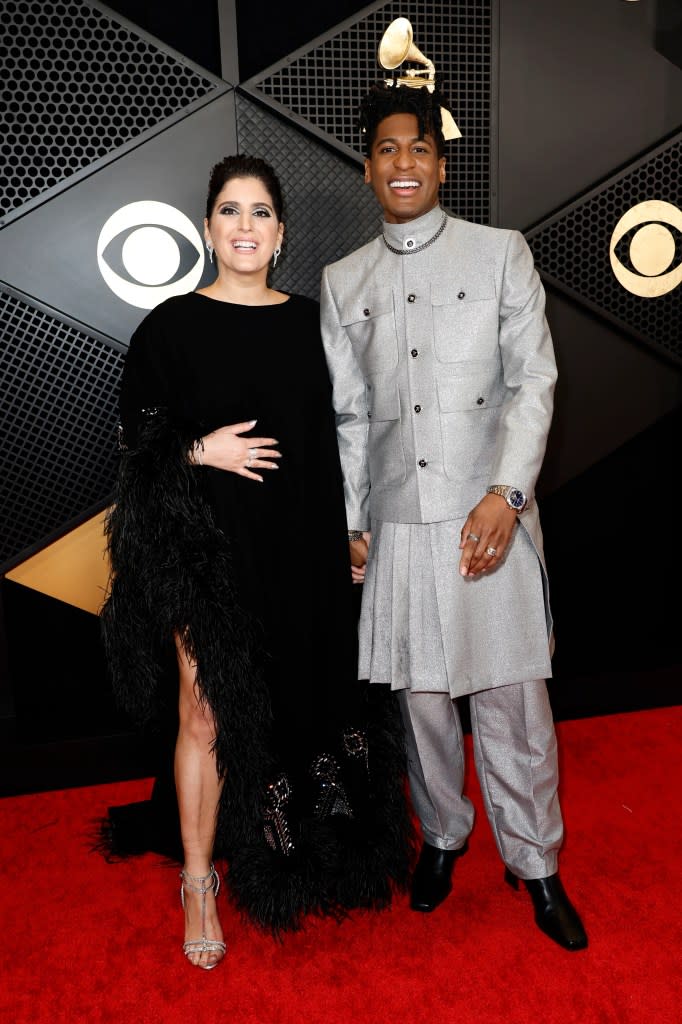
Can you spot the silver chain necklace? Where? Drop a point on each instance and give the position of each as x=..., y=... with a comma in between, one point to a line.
x=425, y=245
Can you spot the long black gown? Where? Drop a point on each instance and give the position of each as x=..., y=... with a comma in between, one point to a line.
x=255, y=578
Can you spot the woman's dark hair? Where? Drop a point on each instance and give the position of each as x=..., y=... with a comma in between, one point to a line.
x=242, y=166
x=384, y=100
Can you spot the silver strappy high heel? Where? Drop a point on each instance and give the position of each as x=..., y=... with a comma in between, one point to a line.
x=202, y=884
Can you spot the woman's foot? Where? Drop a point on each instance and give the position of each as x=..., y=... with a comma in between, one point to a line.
x=203, y=946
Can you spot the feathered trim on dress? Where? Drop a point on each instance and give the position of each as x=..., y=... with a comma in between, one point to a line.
x=335, y=836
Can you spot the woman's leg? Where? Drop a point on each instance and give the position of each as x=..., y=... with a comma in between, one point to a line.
x=198, y=790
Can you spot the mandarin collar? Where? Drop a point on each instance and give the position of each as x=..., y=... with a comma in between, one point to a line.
x=415, y=232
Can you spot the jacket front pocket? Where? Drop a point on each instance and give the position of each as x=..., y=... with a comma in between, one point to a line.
x=370, y=323
x=470, y=407
x=383, y=399
x=386, y=453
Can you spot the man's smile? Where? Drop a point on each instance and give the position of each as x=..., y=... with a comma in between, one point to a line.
x=404, y=184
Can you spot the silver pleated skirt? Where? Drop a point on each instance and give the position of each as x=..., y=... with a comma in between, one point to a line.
x=425, y=627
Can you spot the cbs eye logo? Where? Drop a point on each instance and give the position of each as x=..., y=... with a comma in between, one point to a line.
x=148, y=251
x=645, y=243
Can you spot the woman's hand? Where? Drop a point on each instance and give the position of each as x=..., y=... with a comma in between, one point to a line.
x=225, y=449
x=359, y=550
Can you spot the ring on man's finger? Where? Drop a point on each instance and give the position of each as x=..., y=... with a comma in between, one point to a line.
x=473, y=536
x=491, y=551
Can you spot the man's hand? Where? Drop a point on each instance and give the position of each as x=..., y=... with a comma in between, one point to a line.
x=486, y=535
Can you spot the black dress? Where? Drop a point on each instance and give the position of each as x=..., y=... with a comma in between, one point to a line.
x=255, y=578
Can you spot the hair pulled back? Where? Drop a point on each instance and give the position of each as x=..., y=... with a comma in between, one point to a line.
x=243, y=166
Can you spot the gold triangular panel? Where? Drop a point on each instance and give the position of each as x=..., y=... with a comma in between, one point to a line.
x=73, y=569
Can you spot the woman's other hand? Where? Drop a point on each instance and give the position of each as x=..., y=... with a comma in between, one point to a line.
x=359, y=551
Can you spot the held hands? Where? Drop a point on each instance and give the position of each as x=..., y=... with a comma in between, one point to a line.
x=358, y=557
x=226, y=449
x=485, y=535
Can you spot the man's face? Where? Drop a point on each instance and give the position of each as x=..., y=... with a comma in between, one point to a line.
x=404, y=170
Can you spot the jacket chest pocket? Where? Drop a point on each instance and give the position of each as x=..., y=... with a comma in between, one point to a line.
x=465, y=319
x=370, y=324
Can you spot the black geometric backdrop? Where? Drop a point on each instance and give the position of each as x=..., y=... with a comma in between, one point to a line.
x=59, y=411
x=78, y=84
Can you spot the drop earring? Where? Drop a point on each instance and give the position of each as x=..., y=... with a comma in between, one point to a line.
x=209, y=250
x=274, y=256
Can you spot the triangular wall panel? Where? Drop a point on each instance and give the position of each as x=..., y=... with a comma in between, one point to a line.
x=80, y=83
x=571, y=248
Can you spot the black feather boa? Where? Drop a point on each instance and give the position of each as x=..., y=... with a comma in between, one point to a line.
x=171, y=575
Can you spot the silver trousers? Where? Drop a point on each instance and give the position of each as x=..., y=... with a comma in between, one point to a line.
x=515, y=754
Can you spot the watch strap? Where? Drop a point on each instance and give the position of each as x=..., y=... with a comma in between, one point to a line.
x=506, y=491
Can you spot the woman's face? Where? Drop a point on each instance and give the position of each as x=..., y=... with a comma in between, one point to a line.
x=243, y=227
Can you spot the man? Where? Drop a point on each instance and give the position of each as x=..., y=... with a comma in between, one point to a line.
x=443, y=374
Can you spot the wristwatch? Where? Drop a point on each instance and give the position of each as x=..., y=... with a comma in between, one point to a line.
x=515, y=498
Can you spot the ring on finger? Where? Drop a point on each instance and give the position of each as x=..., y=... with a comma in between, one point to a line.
x=491, y=551
x=473, y=536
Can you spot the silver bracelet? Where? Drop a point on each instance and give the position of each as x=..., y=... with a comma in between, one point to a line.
x=355, y=535
x=198, y=451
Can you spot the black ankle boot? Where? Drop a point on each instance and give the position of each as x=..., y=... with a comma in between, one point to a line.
x=432, y=879
x=555, y=915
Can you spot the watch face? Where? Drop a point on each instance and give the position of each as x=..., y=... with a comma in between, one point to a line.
x=516, y=498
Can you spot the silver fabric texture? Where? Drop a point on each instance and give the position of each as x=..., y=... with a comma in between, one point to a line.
x=426, y=628
x=442, y=369
x=515, y=753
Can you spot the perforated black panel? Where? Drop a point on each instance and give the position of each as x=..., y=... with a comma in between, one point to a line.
x=59, y=408
x=571, y=249
x=325, y=85
x=329, y=211
x=77, y=85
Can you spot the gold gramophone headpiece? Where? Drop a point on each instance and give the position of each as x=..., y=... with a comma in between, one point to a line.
x=396, y=46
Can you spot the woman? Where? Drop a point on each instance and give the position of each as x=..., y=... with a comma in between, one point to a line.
x=229, y=553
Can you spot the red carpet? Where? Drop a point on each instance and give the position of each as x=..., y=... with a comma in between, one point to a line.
x=86, y=941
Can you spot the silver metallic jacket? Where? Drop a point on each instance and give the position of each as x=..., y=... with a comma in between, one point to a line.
x=442, y=369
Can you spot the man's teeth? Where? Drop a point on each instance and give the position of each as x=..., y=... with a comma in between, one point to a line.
x=404, y=184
